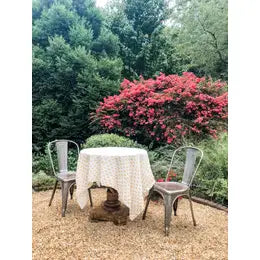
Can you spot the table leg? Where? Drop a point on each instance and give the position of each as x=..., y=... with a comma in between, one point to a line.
x=112, y=203
x=110, y=210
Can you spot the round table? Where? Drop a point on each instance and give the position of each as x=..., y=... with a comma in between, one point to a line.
x=127, y=174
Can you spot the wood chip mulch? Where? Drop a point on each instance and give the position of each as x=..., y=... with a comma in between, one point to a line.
x=74, y=237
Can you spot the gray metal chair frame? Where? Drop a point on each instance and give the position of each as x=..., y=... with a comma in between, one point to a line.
x=66, y=178
x=170, y=191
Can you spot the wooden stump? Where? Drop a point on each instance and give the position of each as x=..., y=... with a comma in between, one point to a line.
x=110, y=210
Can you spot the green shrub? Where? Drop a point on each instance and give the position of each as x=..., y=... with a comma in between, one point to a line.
x=42, y=181
x=110, y=140
x=160, y=159
x=70, y=75
x=215, y=161
x=41, y=162
x=213, y=172
x=211, y=180
x=41, y=167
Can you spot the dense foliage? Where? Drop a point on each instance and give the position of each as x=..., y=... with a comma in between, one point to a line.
x=42, y=181
x=43, y=176
x=41, y=162
x=171, y=36
x=165, y=109
x=211, y=180
x=110, y=140
x=212, y=177
x=202, y=28
x=146, y=46
x=81, y=53
x=75, y=64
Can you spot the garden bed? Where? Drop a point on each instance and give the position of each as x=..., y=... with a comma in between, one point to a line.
x=209, y=203
x=74, y=237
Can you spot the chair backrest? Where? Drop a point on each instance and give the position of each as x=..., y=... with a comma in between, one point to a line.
x=62, y=147
x=191, y=156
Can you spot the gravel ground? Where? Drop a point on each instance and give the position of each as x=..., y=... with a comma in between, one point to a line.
x=74, y=237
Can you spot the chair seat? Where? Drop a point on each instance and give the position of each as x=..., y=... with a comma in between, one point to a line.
x=67, y=176
x=170, y=187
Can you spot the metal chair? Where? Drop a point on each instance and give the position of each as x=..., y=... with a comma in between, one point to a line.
x=170, y=191
x=66, y=178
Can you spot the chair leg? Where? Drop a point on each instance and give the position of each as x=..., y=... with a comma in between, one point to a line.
x=191, y=208
x=53, y=192
x=175, y=206
x=71, y=191
x=90, y=197
x=168, y=199
x=65, y=190
x=147, y=203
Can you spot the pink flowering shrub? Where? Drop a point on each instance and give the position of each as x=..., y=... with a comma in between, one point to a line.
x=166, y=108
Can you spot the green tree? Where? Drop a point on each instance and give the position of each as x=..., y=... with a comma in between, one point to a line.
x=81, y=35
x=81, y=53
x=70, y=74
x=106, y=43
x=47, y=116
x=87, y=9
x=56, y=20
x=139, y=25
x=203, y=35
x=162, y=53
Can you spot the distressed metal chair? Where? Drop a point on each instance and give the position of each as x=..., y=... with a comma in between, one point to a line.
x=187, y=160
x=66, y=177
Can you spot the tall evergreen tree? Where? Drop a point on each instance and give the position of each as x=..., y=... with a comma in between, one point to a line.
x=75, y=65
x=139, y=25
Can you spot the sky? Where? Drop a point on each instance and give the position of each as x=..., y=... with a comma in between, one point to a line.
x=101, y=3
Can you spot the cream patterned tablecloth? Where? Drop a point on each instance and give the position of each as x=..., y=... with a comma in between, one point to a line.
x=127, y=170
